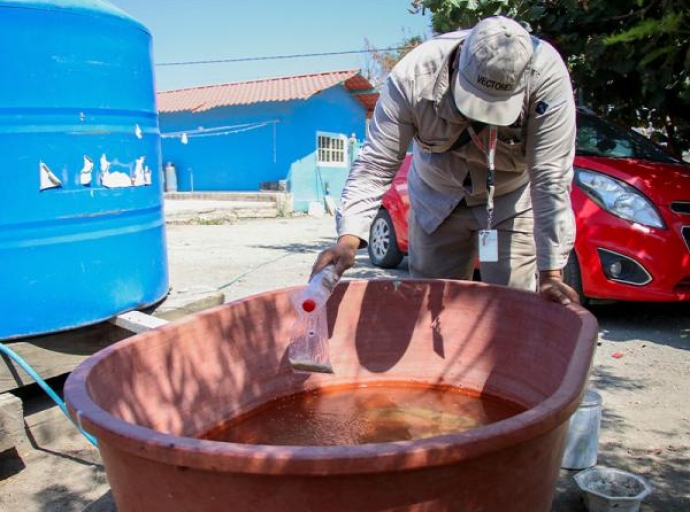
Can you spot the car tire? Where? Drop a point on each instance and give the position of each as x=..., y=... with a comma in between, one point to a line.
x=383, y=244
x=573, y=277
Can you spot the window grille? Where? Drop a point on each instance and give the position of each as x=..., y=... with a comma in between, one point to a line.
x=331, y=149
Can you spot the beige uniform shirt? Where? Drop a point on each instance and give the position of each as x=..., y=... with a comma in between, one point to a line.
x=417, y=104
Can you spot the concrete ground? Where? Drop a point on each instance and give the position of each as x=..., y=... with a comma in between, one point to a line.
x=641, y=369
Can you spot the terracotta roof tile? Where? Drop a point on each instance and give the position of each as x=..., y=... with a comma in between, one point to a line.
x=302, y=87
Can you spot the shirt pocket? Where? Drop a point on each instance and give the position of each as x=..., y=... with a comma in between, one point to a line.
x=510, y=150
x=431, y=144
x=435, y=135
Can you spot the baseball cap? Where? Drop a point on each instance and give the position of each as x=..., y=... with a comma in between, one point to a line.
x=491, y=77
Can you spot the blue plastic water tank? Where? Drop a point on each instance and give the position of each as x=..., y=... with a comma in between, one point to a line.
x=82, y=228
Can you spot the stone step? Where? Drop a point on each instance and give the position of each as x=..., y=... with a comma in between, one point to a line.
x=220, y=207
x=268, y=196
x=199, y=211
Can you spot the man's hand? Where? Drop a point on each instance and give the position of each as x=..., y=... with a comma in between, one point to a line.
x=342, y=255
x=552, y=287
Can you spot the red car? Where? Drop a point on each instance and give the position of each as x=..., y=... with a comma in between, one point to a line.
x=632, y=205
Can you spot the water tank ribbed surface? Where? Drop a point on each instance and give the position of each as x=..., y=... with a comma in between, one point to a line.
x=82, y=230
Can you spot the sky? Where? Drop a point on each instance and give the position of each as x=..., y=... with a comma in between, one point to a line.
x=202, y=30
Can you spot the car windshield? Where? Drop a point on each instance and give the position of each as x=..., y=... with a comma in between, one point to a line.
x=596, y=137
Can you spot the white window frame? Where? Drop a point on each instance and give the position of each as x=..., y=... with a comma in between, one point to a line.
x=331, y=149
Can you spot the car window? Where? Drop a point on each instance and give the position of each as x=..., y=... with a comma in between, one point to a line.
x=596, y=137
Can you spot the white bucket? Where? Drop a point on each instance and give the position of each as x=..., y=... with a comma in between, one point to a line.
x=582, y=442
x=612, y=490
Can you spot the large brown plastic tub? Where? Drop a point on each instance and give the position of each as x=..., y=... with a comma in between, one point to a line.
x=145, y=399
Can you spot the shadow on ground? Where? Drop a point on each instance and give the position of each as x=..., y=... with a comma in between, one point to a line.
x=665, y=465
x=103, y=504
x=644, y=320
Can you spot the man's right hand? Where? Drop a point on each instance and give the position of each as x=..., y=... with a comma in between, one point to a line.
x=342, y=255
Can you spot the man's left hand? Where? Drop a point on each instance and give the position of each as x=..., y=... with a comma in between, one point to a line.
x=552, y=287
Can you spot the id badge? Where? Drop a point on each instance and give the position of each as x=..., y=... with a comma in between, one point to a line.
x=488, y=245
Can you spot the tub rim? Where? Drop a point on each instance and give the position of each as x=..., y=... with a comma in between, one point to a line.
x=221, y=456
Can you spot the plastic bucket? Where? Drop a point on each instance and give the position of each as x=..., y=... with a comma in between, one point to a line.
x=612, y=490
x=582, y=442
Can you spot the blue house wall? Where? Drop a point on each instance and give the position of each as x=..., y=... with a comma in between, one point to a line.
x=238, y=148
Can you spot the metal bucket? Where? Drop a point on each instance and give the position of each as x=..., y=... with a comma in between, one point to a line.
x=582, y=443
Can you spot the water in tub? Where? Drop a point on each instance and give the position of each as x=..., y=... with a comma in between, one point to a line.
x=364, y=414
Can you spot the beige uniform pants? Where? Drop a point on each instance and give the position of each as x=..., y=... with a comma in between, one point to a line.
x=450, y=252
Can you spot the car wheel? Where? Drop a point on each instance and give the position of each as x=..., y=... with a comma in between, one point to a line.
x=573, y=277
x=383, y=244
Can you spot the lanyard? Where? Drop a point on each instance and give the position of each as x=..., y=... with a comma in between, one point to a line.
x=490, y=157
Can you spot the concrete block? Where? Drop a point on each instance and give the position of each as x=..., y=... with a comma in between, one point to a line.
x=137, y=322
x=11, y=421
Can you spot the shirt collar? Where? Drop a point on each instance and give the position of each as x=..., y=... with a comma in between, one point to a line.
x=439, y=90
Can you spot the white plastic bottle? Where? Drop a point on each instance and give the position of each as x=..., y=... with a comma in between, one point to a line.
x=308, y=349
x=319, y=289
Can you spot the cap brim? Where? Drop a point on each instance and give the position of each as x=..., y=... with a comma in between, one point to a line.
x=477, y=106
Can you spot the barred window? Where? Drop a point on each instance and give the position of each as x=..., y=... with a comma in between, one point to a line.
x=331, y=149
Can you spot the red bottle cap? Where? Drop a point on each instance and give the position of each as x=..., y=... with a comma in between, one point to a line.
x=309, y=305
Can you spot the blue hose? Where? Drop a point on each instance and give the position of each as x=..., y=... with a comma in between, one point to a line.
x=44, y=385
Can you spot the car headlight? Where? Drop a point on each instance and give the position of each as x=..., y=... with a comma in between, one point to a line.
x=618, y=198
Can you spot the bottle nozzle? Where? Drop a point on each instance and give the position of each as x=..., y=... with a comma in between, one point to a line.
x=308, y=305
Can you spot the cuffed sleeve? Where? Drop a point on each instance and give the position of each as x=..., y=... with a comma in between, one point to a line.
x=390, y=132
